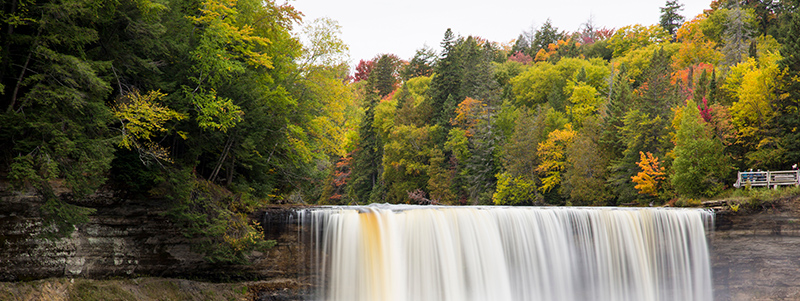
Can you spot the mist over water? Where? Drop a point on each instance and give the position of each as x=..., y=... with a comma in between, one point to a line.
x=384, y=252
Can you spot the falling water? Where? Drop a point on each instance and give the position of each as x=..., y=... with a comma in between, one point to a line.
x=509, y=253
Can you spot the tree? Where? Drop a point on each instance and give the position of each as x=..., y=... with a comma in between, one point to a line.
x=695, y=47
x=55, y=121
x=553, y=157
x=385, y=74
x=366, y=185
x=441, y=178
x=445, y=85
x=671, y=20
x=142, y=117
x=656, y=96
x=737, y=35
x=637, y=36
x=585, y=173
x=699, y=160
x=649, y=179
x=787, y=103
x=420, y=65
x=640, y=132
x=753, y=83
x=546, y=35
x=324, y=46
x=517, y=184
x=363, y=70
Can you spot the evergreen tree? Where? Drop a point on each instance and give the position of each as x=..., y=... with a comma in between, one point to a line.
x=521, y=45
x=445, y=85
x=737, y=36
x=366, y=185
x=613, y=115
x=671, y=20
x=420, y=65
x=53, y=109
x=384, y=75
x=787, y=106
x=657, y=96
x=546, y=35
x=699, y=160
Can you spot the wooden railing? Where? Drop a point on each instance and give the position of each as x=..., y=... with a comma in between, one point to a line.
x=768, y=178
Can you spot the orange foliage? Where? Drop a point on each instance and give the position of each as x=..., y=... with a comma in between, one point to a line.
x=648, y=179
x=687, y=78
x=467, y=114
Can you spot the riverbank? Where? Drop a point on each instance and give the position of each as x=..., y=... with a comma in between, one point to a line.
x=144, y=289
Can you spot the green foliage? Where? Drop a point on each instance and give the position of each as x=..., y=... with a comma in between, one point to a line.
x=366, y=185
x=585, y=173
x=515, y=191
x=787, y=103
x=230, y=93
x=62, y=217
x=670, y=19
x=637, y=36
x=217, y=218
x=536, y=84
x=699, y=161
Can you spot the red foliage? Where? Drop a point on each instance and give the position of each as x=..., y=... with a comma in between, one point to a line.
x=590, y=36
x=363, y=69
x=520, y=57
x=341, y=175
x=705, y=110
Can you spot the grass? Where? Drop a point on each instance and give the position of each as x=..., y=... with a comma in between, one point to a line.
x=756, y=198
x=58, y=289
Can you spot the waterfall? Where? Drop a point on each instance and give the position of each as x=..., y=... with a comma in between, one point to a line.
x=420, y=253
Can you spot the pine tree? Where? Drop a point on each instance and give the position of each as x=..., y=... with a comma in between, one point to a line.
x=445, y=85
x=699, y=160
x=366, y=184
x=546, y=35
x=384, y=74
x=786, y=122
x=737, y=36
x=670, y=19
x=657, y=95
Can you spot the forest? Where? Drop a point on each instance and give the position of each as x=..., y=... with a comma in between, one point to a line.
x=219, y=107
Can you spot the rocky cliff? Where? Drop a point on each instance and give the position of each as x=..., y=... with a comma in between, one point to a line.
x=126, y=238
x=755, y=251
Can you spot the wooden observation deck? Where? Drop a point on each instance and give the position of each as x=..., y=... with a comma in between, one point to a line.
x=768, y=178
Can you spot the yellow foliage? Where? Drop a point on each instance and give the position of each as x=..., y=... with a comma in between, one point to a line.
x=553, y=159
x=584, y=102
x=142, y=117
x=694, y=48
x=219, y=19
x=648, y=179
x=754, y=84
x=542, y=55
x=467, y=114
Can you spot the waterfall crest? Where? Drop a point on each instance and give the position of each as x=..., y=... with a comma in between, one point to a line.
x=387, y=252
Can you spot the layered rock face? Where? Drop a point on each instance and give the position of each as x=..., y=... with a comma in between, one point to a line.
x=756, y=255
x=126, y=238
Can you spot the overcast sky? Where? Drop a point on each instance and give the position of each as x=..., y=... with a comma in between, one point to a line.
x=372, y=27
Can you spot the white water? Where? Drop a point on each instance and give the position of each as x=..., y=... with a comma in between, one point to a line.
x=510, y=253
